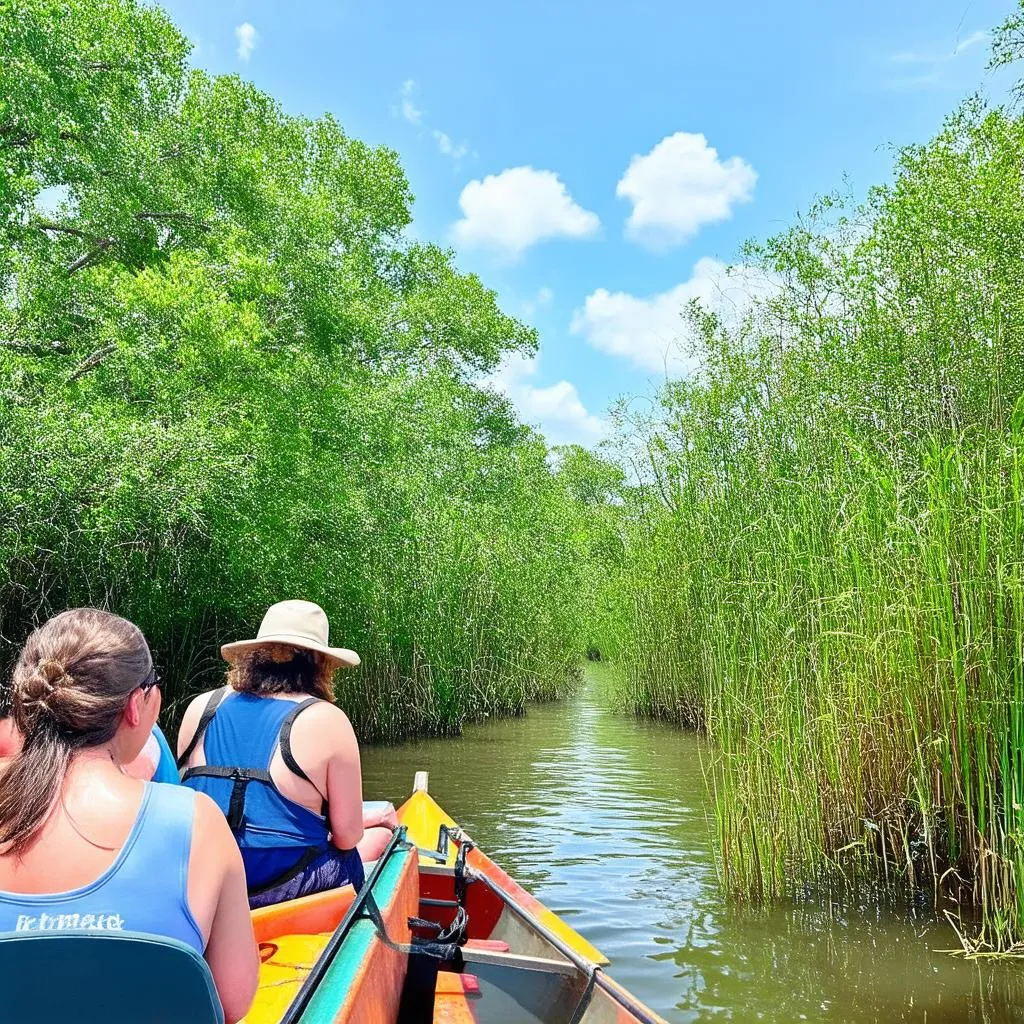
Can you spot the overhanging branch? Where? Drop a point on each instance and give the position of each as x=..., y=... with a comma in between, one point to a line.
x=91, y=256
x=91, y=362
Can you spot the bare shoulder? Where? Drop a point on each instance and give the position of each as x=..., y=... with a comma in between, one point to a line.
x=215, y=854
x=325, y=719
x=190, y=720
x=210, y=826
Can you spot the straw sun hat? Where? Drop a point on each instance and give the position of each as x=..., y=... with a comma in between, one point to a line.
x=298, y=624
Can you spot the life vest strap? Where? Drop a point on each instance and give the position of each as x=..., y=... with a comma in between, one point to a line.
x=212, y=703
x=241, y=777
x=285, y=746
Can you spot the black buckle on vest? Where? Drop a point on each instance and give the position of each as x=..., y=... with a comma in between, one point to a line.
x=241, y=777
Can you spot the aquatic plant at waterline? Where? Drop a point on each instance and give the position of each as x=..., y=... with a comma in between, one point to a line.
x=827, y=574
x=227, y=377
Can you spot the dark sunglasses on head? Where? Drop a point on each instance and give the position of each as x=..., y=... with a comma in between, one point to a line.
x=151, y=680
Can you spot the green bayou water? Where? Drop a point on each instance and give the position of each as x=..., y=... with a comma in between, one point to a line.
x=604, y=818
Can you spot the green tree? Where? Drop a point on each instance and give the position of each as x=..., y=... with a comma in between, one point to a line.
x=228, y=376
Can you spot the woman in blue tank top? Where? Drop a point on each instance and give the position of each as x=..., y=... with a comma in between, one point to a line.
x=280, y=759
x=86, y=847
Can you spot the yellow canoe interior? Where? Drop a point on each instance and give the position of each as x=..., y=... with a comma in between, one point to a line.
x=516, y=951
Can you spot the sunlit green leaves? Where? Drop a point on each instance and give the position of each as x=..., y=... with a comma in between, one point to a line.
x=227, y=376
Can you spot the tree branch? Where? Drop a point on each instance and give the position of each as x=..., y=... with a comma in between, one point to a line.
x=30, y=348
x=45, y=225
x=15, y=135
x=91, y=362
x=91, y=256
x=99, y=245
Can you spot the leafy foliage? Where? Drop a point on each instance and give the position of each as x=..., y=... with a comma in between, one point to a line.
x=227, y=377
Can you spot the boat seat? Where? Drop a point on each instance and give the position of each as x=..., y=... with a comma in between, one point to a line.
x=105, y=978
x=493, y=945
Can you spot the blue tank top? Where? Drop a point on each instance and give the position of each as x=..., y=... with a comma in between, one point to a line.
x=276, y=835
x=166, y=768
x=144, y=890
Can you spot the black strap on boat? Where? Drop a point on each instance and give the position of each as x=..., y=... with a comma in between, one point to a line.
x=212, y=703
x=462, y=877
x=323, y=963
x=363, y=906
x=455, y=933
x=458, y=931
x=446, y=952
x=440, y=854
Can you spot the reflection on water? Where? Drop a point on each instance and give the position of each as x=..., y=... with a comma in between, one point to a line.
x=603, y=817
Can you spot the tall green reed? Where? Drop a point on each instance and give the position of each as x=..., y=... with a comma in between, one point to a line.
x=827, y=574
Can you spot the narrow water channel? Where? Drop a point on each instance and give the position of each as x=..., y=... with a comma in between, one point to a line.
x=604, y=818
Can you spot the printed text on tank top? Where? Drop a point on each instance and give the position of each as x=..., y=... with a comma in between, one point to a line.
x=145, y=889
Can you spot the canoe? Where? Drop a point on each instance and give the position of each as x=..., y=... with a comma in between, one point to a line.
x=322, y=959
x=526, y=963
x=439, y=934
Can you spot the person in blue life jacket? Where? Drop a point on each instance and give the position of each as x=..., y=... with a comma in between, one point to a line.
x=280, y=758
x=155, y=763
x=84, y=846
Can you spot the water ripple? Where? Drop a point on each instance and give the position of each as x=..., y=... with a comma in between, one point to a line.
x=605, y=819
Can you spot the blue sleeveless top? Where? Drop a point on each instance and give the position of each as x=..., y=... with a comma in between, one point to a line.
x=166, y=769
x=277, y=836
x=144, y=890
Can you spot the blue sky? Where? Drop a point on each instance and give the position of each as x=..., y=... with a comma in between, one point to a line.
x=598, y=163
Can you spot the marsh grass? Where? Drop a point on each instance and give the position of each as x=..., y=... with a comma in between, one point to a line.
x=828, y=575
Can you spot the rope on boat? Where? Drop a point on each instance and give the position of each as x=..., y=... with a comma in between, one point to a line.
x=448, y=942
x=446, y=952
x=454, y=933
x=364, y=907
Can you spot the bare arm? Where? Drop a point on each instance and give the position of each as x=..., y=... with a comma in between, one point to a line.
x=231, y=950
x=344, y=784
x=190, y=722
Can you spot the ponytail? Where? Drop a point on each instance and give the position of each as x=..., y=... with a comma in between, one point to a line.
x=70, y=687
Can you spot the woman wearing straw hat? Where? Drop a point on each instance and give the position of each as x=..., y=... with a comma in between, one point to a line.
x=280, y=759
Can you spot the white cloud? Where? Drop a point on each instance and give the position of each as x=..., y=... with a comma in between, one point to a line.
x=938, y=57
x=247, y=37
x=414, y=115
x=652, y=331
x=557, y=410
x=931, y=66
x=972, y=40
x=446, y=146
x=510, y=211
x=680, y=186
x=410, y=111
x=544, y=297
